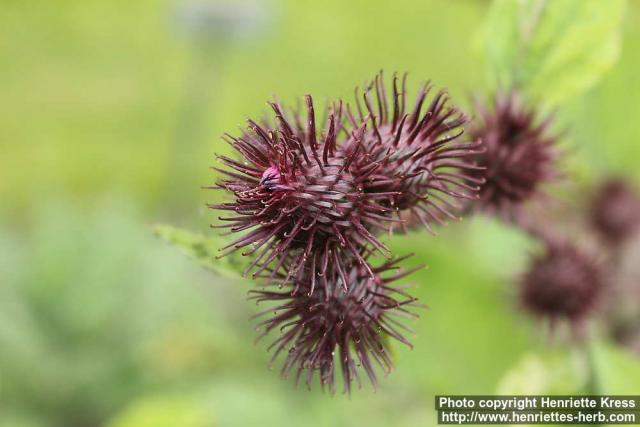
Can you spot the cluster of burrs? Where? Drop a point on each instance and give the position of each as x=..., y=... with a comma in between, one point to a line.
x=312, y=199
x=576, y=273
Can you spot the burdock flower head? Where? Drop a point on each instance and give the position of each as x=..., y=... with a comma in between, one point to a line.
x=299, y=199
x=615, y=211
x=349, y=330
x=421, y=156
x=519, y=154
x=306, y=196
x=563, y=283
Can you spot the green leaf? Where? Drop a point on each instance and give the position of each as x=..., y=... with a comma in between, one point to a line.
x=592, y=368
x=552, y=49
x=558, y=372
x=618, y=371
x=205, y=250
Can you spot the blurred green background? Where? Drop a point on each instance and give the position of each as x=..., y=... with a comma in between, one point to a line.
x=110, y=117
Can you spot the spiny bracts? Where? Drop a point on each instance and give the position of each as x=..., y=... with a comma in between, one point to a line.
x=563, y=283
x=350, y=329
x=520, y=154
x=308, y=197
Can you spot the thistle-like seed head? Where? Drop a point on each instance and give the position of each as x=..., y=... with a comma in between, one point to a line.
x=563, y=283
x=348, y=328
x=300, y=200
x=615, y=211
x=421, y=154
x=520, y=154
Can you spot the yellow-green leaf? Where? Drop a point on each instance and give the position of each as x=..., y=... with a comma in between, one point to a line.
x=552, y=50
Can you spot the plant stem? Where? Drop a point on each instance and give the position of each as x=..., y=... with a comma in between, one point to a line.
x=594, y=385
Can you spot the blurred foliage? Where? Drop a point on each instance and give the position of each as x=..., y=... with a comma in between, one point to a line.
x=94, y=312
x=165, y=411
x=594, y=369
x=559, y=371
x=617, y=370
x=101, y=324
